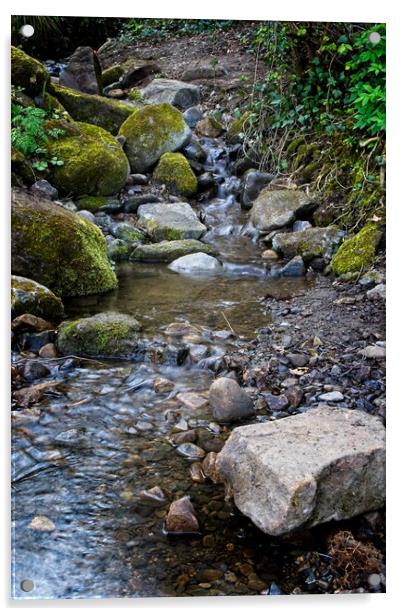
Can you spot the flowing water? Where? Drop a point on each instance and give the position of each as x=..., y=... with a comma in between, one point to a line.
x=82, y=457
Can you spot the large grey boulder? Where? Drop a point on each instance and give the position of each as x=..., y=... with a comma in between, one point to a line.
x=83, y=72
x=177, y=93
x=170, y=221
x=228, y=401
x=106, y=334
x=274, y=209
x=196, y=263
x=166, y=252
x=325, y=464
x=310, y=243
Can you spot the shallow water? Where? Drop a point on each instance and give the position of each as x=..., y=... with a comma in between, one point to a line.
x=82, y=457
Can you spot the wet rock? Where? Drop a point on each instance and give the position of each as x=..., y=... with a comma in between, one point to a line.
x=170, y=221
x=28, y=296
x=301, y=225
x=34, y=341
x=207, y=181
x=42, y=524
x=192, y=115
x=295, y=268
x=209, y=575
x=209, y=467
x=192, y=400
x=191, y=451
x=252, y=184
x=209, y=127
x=48, y=351
x=127, y=232
x=331, y=396
x=133, y=202
x=29, y=322
x=30, y=395
x=188, y=436
x=341, y=452
x=309, y=244
x=194, y=151
x=155, y=497
x=198, y=262
x=228, y=401
x=177, y=93
x=151, y=132
x=44, y=189
x=270, y=255
x=181, y=329
x=83, y=72
x=378, y=292
x=208, y=441
x=107, y=334
x=34, y=370
x=373, y=352
x=181, y=517
x=276, y=403
x=196, y=473
x=87, y=216
x=274, y=209
x=139, y=179
x=162, y=385
x=118, y=250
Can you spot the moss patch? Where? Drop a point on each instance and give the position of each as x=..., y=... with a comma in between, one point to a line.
x=91, y=204
x=111, y=75
x=151, y=132
x=28, y=296
x=94, y=162
x=107, y=334
x=174, y=170
x=98, y=110
x=357, y=253
x=57, y=248
x=27, y=72
x=236, y=129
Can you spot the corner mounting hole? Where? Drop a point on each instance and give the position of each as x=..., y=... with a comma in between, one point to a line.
x=374, y=38
x=27, y=585
x=27, y=30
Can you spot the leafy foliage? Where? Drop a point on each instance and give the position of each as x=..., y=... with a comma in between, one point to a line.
x=134, y=29
x=29, y=134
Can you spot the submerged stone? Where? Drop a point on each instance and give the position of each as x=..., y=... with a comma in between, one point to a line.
x=181, y=517
x=165, y=252
x=325, y=464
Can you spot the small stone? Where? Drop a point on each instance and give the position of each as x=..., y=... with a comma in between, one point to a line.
x=276, y=403
x=42, y=524
x=196, y=473
x=181, y=517
x=154, y=496
x=29, y=322
x=209, y=575
x=294, y=396
x=228, y=401
x=48, y=351
x=44, y=189
x=209, y=468
x=34, y=370
x=374, y=580
x=331, y=396
x=208, y=541
x=189, y=450
x=162, y=385
x=143, y=426
x=188, y=436
x=270, y=255
x=209, y=127
x=373, y=352
x=192, y=400
x=298, y=360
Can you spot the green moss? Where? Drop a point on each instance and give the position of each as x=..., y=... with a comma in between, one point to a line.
x=357, y=253
x=174, y=170
x=111, y=75
x=28, y=296
x=21, y=170
x=94, y=162
x=60, y=250
x=106, y=335
x=98, y=110
x=92, y=204
x=151, y=132
x=236, y=129
x=27, y=72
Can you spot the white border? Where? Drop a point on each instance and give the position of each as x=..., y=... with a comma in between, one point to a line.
x=292, y=10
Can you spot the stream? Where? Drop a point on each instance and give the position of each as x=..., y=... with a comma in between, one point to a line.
x=83, y=457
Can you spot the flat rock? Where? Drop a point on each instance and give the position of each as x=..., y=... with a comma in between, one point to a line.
x=229, y=402
x=373, y=351
x=331, y=396
x=310, y=243
x=170, y=221
x=198, y=262
x=166, y=252
x=325, y=464
x=177, y=93
x=274, y=209
x=202, y=69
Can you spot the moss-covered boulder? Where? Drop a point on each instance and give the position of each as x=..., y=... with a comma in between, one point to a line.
x=170, y=221
x=209, y=127
x=58, y=248
x=357, y=253
x=173, y=170
x=112, y=74
x=107, y=334
x=27, y=72
x=94, y=161
x=28, y=296
x=151, y=132
x=99, y=110
x=166, y=252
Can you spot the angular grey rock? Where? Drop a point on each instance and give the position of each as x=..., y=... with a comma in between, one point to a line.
x=331, y=396
x=253, y=182
x=293, y=269
x=164, y=221
x=325, y=464
x=196, y=263
x=44, y=189
x=166, y=252
x=192, y=115
x=309, y=244
x=378, y=292
x=83, y=72
x=301, y=225
x=274, y=209
x=228, y=401
x=177, y=93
